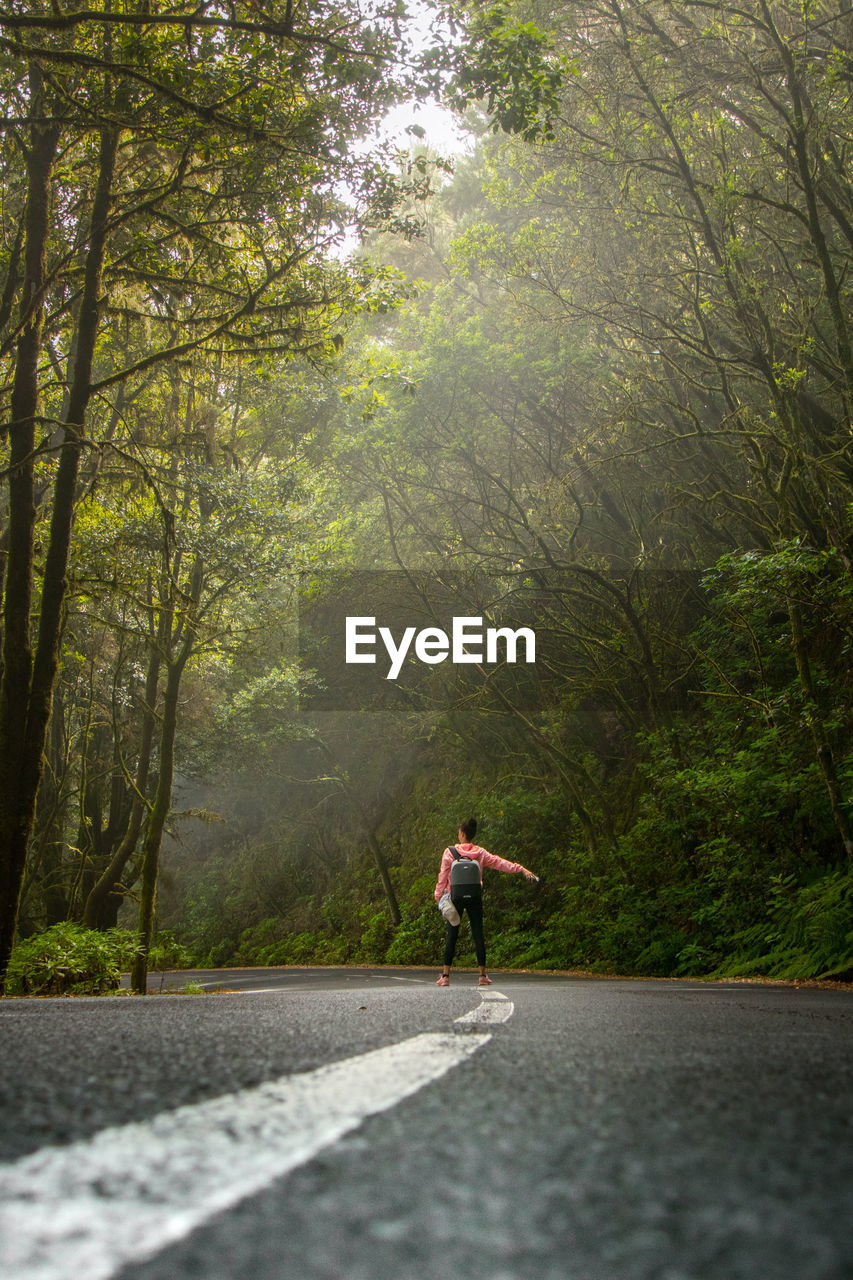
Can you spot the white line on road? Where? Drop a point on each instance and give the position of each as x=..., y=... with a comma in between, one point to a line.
x=492, y=1008
x=254, y=991
x=258, y=991
x=92, y=1207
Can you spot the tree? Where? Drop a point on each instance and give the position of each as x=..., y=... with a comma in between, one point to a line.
x=176, y=192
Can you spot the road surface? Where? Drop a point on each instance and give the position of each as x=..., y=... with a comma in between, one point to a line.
x=365, y=1125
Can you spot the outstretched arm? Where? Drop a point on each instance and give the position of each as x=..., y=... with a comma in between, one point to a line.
x=500, y=864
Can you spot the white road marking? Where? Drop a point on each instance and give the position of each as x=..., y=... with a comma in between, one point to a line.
x=255, y=991
x=92, y=1207
x=493, y=1007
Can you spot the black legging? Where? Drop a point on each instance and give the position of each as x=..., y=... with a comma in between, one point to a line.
x=475, y=916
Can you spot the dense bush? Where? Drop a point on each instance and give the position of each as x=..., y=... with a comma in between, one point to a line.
x=721, y=859
x=69, y=960
x=807, y=933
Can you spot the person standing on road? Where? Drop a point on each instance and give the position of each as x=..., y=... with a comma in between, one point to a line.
x=469, y=900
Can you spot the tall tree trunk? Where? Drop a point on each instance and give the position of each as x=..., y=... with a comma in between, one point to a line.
x=384, y=875
x=820, y=738
x=182, y=639
x=372, y=843
x=55, y=584
x=157, y=820
x=112, y=873
x=50, y=821
x=15, y=819
x=27, y=691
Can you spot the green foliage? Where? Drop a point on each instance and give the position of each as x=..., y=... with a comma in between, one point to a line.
x=807, y=932
x=69, y=960
x=272, y=942
x=611, y=380
x=166, y=952
x=511, y=66
x=725, y=802
x=417, y=939
x=376, y=934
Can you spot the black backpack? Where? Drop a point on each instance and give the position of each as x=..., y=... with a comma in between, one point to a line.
x=465, y=883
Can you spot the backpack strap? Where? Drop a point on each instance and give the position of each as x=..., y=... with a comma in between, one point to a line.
x=454, y=853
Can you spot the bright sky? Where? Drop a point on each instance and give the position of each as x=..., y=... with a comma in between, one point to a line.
x=423, y=29
x=443, y=133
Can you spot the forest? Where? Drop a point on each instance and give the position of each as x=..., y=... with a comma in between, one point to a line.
x=264, y=370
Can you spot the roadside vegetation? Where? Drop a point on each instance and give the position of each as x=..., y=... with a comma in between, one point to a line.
x=593, y=377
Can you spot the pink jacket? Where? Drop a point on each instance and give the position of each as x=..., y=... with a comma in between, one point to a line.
x=482, y=856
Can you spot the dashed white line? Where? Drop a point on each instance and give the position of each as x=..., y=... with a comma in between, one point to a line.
x=94, y=1206
x=493, y=1007
x=255, y=991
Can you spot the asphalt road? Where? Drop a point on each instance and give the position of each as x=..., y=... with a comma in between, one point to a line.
x=584, y=1130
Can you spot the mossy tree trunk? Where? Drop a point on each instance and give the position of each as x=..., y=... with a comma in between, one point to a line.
x=157, y=818
x=105, y=886
x=28, y=680
x=15, y=821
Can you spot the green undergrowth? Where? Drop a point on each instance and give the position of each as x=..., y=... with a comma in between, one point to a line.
x=808, y=933
x=803, y=932
x=634, y=910
x=67, y=959
x=712, y=853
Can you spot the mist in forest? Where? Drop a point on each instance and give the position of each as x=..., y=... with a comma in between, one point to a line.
x=592, y=379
